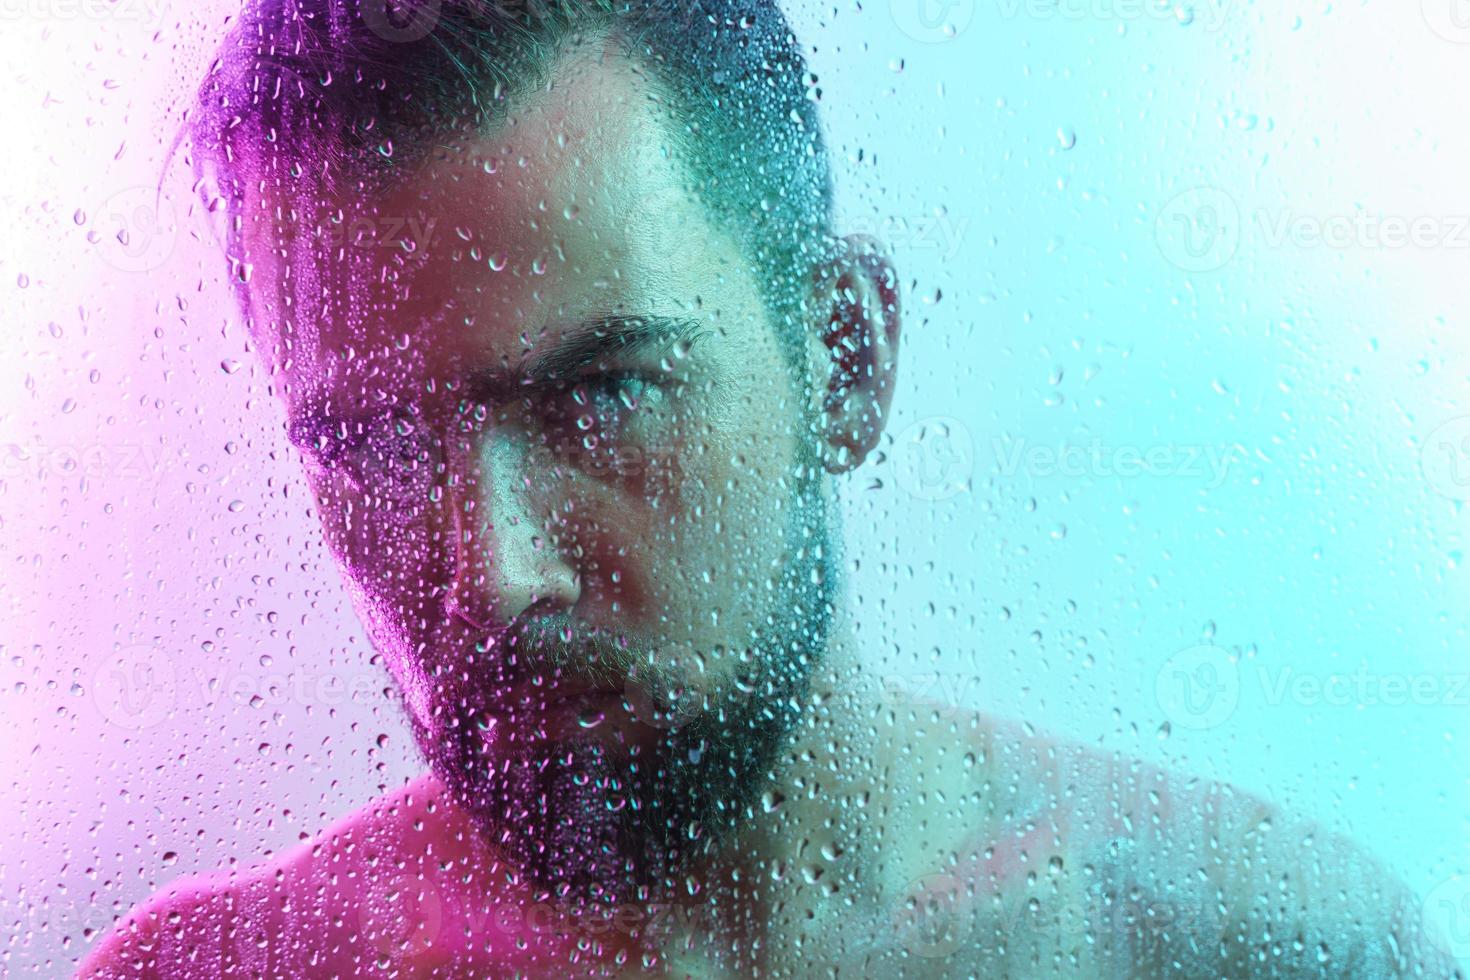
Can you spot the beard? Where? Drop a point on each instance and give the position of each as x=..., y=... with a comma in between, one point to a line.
x=599, y=828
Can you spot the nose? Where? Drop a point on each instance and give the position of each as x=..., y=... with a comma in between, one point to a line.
x=505, y=562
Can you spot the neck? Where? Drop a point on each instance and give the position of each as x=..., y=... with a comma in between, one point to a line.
x=806, y=838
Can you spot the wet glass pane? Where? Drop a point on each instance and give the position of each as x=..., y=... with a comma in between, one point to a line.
x=734, y=488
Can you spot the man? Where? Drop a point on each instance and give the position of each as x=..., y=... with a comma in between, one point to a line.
x=574, y=366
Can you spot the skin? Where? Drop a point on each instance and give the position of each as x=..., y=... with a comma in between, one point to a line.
x=898, y=838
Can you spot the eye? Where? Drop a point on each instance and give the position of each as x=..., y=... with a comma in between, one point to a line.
x=323, y=442
x=394, y=458
x=598, y=406
x=606, y=395
x=398, y=460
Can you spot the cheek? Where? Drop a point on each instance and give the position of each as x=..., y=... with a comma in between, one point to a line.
x=394, y=560
x=384, y=567
x=616, y=518
x=712, y=556
x=619, y=505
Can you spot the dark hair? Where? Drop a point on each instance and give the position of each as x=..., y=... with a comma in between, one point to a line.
x=312, y=94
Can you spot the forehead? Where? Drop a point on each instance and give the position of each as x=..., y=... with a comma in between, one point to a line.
x=575, y=206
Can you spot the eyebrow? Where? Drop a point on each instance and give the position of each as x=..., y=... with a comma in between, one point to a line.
x=593, y=339
x=599, y=338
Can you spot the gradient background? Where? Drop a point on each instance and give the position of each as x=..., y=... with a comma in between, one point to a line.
x=1109, y=217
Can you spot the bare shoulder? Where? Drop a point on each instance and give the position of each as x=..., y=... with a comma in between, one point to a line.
x=1052, y=853
x=246, y=919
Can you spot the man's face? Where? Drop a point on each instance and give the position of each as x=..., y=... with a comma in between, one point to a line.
x=569, y=475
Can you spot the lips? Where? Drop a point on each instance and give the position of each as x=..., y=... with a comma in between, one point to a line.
x=570, y=712
x=555, y=706
x=562, y=691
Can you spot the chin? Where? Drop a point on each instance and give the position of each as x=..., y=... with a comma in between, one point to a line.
x=610, y=815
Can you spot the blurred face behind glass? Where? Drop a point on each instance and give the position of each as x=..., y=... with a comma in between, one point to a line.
x=570, y=477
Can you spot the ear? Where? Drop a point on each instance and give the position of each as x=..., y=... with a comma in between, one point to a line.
x=855, y=305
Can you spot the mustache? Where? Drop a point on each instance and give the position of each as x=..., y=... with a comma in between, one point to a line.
x=557, y=647
x=488, y=685
x=552, y=651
